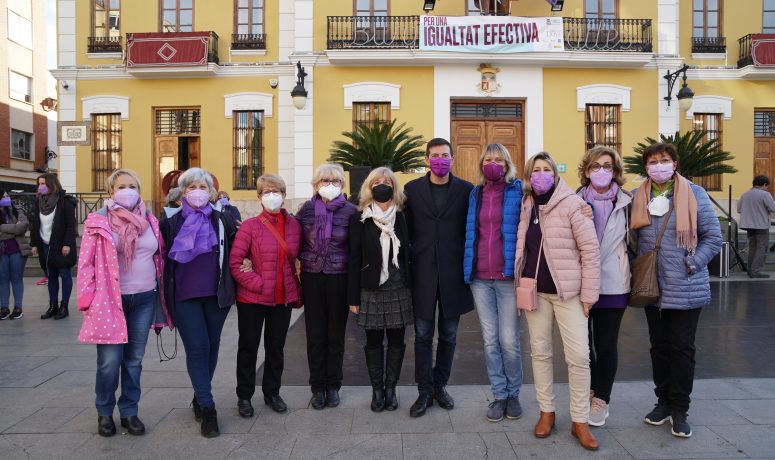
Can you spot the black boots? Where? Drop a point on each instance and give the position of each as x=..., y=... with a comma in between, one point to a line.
x=53, y=309
x=209, y=426
x=375, y=363
x=394, y=361
x=62, y=311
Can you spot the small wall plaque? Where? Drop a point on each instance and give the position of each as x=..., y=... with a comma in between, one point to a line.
x=73, y=133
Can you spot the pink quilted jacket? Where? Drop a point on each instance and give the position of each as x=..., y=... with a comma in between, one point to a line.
x=99, y=291
x=570, y=244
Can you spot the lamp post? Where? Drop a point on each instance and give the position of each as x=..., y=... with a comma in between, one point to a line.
x=428, y=5
x=299, y=93
x=685, y=95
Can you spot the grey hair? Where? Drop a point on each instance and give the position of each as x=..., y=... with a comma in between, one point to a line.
x=196, y=174
x=328, y=170
x=174, y=196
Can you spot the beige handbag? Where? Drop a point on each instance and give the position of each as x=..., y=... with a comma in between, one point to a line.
x=527, y=288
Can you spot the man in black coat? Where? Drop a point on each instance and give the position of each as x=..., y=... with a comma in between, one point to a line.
x=436, y=210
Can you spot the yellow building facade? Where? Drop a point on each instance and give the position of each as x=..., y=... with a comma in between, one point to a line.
x=231, y=112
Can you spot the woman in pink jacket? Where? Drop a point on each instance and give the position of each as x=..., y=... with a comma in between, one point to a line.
x=265, y=292
x=119, y=292
x=557, y=245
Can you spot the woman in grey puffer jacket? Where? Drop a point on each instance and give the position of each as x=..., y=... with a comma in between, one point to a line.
x=691, y=239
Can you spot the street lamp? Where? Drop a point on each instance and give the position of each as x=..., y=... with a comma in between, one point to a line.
x=299, y=93
x=428, y=5
x=556, y=4
x=685, y=95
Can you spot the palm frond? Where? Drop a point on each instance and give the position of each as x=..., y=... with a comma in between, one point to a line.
x=384, y=144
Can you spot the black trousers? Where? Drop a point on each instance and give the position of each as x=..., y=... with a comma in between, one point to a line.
x=603, y=349
x=672, y=333
x=251, y=319
x=395, y=337
x=325, y=319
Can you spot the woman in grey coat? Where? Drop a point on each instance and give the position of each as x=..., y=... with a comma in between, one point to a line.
x=692, y=238
x=14, y=250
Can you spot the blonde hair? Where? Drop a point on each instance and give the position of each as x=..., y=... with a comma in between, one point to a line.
x=270, y=180
x=498, y=151
x=529, y=169
x=328, y=170
x=592, y=155
x=110, y=182
x=366, y=198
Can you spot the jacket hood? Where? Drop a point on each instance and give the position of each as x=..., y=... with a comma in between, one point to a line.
x=561, y=192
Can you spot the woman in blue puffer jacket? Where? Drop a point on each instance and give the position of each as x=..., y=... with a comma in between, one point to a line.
x=692, y=238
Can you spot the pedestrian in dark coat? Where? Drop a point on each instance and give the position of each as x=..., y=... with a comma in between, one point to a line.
x=437, y=207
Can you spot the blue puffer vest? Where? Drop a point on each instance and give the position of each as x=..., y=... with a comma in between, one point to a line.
x=512, y=200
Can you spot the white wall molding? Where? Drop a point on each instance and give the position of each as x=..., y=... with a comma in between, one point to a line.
x=105, y=104
x=711, y=104
x=372, y=91
x=668, y=15
x=603, y=94
x=247, y=101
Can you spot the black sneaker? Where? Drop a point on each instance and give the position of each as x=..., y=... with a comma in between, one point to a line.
x=659, y=415
x=17, y=313
x=681, y=427
x=210, y=422
x=5, y=313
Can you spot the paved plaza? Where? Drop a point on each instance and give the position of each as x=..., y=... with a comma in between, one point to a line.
x=47, y=398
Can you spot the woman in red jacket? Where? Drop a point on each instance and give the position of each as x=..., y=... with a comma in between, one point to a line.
x=265, y=292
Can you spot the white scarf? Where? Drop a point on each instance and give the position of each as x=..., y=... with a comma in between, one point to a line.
x=385, y=221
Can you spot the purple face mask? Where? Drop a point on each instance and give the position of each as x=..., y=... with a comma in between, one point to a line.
x=42, y=189
x=660, y=173
x=127, y=198
x=440, y=166
x=197, y=198
x=5, y=202
x=493, y=172
x=601, y=179
x=541, y=181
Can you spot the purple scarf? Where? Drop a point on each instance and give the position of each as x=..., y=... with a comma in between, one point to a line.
x=196, y=236
x=602, y=206
x=324, y=220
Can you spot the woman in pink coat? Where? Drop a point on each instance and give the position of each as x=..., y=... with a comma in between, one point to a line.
x=265, y=292
x=119, y=292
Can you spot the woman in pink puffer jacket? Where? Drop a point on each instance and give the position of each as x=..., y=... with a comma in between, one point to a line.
x=553, y=228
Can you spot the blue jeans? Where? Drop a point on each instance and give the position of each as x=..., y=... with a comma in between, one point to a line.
x=53, y=279
x=126, y=358
x=426, y=375
x=496, y=306
x=200, y=322
x=11, y=276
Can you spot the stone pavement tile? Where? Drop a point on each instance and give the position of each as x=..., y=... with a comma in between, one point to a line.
x=754, y=441
x=268, y=422
x=347, y=446
x=449, y=446
x=76, y=395
x=473, y=420
x=310, y=421
x=297, y=396
x=760, y=388
x=720, y=389
x=13, y=379
x=467, y=396
x=22, y=364
x=45, y=420
x=69, y=348
x=70, y=378
x=436, y=420
x=41, y=446
x=157, y=446
x=265, y=447
x=656, y=442
x=166, y=379
x=758, y=411
x=626, y=414
x=27, y=397
x=498, y=446
x=637, y=392
x=182, y=421
x=11, y=416
x=353, y=397
x=562, y=445
x=711, y=412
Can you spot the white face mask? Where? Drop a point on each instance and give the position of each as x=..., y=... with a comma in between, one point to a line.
x=330, y=191
x=272, y=201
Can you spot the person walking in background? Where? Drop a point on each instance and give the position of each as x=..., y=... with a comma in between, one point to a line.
x=52, y=237
x=14, y=250
x=691, y=239
x=557, y=245
x=755, y=207
x=601, y=175
x=436, y=209
x=120, y=271
x=226, y=206
x=379, y=281
x=491, y=241
x=198, y=284
x=325, y=221
x=271, y=242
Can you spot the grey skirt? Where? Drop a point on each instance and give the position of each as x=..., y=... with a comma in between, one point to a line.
x=387, y=307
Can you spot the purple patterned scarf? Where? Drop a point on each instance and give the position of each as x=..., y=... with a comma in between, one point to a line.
x=602, y=206
x=197, y=235
x=324, y=220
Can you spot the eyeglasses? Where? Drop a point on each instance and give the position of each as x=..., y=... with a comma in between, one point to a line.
x=596, y=167
x=663, y=161
x=325, y=182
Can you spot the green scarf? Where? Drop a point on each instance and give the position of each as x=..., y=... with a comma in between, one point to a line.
x=655, y=191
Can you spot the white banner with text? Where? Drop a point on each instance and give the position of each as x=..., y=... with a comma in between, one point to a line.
x=490, y=34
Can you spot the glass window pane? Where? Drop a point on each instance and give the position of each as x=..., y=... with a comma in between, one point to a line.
x=769, y=5
x=769, y=19
x=242, y=16
x=99, y=5
x=170, y=4
x=242, y=3
x=186, y=4
x=712, y=20
x=258, y=16
x=698, y=32
x=712, y=32
x=713, y=5
x=186, y=18
x=591, y=6
x=699, y=5
x=257, y=29
x=115, y=4
x=242, y=29
x=699, y=19
x=380, y=5
x=609, y=6
x=170, y=18
x=184, y=28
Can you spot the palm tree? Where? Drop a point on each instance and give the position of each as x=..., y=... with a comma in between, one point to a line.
x=383, y=144
x=698, y=156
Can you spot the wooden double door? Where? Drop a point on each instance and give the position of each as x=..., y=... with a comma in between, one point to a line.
x=478, y=122
x=764, y=158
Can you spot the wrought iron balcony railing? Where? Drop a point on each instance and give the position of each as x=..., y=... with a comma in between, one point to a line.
x=709, y=44
x=248, y=41
x=104, y=45
x=402, y=32
x=745, y=58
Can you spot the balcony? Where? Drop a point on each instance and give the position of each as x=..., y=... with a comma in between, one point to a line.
x=172, y=54
x=716, y=45
x=757, y=50
x=594, y=34
x=104, y=45
x=248, y=42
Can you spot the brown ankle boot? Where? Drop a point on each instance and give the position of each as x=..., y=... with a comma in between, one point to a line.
x=585, y=437
x=545, y=424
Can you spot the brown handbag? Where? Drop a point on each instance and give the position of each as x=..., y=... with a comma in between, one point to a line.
x=299, y=303
x=644, y=290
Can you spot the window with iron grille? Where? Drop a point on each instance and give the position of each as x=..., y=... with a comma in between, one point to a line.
x=21, y=145
x=105, y=147
x=178, y=121
x=764, y=123
x=711, y=124
x=248, y=145
x=370, y=113
x=601, y=9
x=249, y=17
x=602, y=124
x=768, y=17
x=177, y=16
x=487, y=7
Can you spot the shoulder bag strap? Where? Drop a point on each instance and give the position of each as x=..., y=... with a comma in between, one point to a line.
x=664, y=226
x=280, y=241
x=538, y=262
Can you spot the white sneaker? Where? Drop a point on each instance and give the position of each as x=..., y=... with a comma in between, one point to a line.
x=598, y=412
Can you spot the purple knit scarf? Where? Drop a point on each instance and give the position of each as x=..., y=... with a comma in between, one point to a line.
x=324, y=220
x=196, y=236
x=602, y=206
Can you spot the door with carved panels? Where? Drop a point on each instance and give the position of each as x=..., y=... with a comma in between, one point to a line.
x=764, y=144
